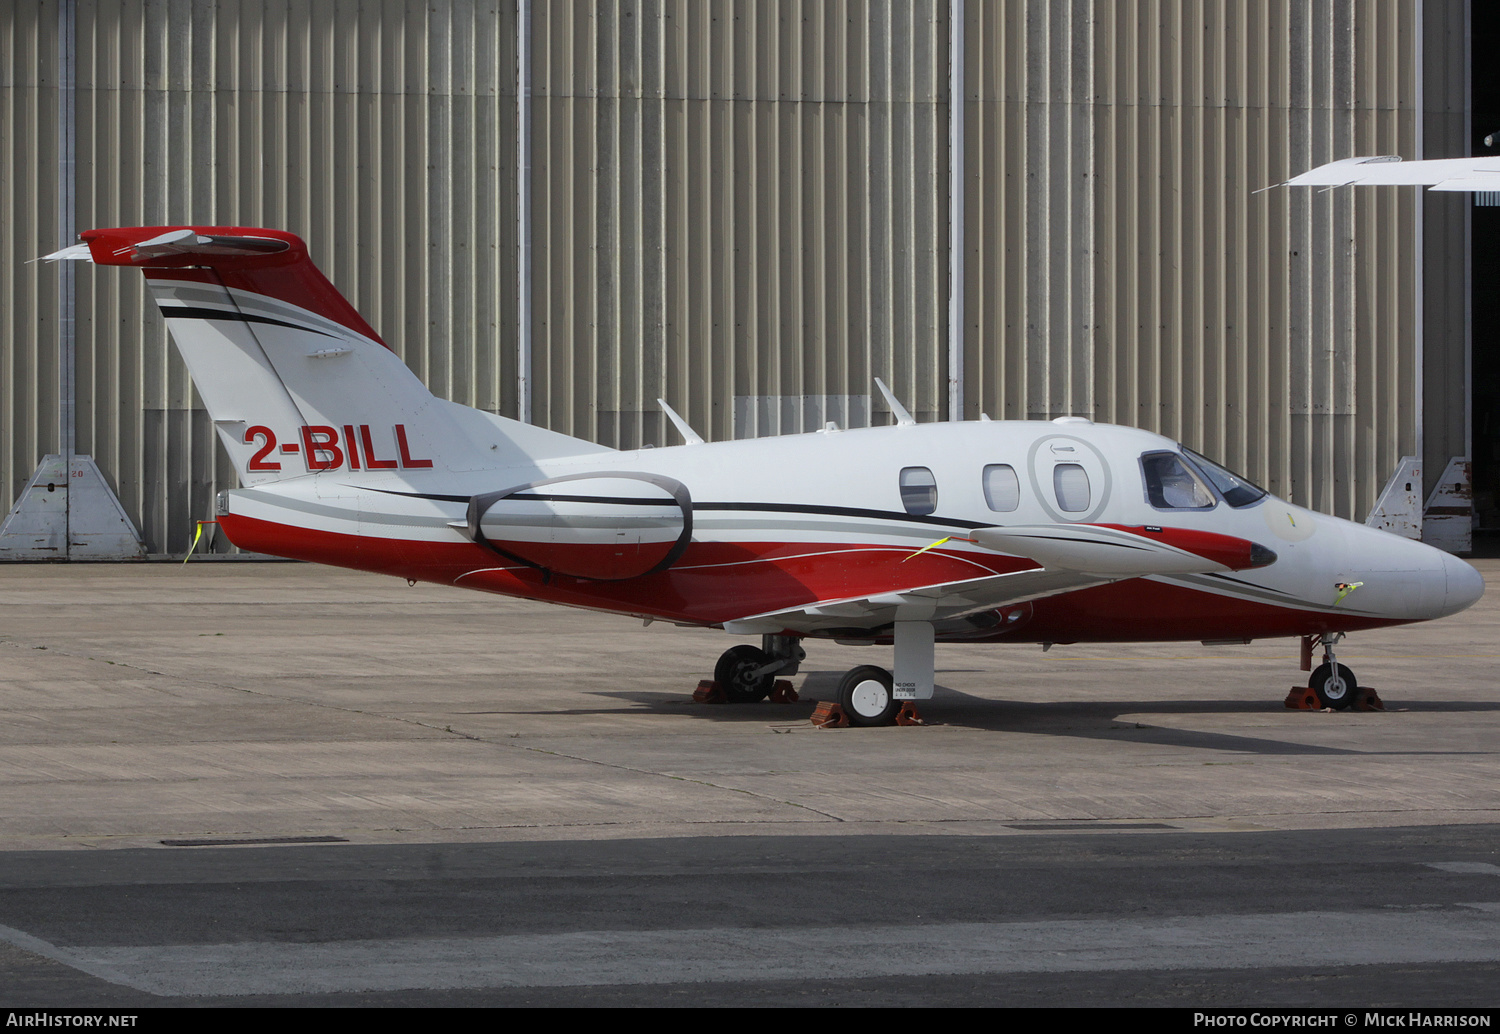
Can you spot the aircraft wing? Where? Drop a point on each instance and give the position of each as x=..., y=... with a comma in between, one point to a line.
x=947, y=601
x=1071, y=557
x=1456, y=174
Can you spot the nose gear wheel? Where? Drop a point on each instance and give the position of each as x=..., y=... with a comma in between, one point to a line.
x=1335, y=686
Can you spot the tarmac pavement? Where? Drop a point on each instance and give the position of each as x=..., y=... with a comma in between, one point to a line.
x=233, y=702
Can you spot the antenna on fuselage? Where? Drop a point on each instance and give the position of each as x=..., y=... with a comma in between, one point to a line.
x=903, y=418
x=693, y=437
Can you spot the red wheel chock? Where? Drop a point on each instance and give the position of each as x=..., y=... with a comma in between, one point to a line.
x=829, y=715
x=1302, y=698
x=708, y=692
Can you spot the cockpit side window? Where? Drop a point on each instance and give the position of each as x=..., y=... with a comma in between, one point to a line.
x=1172, y=485
x=1237, y=491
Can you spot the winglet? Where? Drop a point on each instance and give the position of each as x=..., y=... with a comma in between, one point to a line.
x=903, y=418
x=693, y=437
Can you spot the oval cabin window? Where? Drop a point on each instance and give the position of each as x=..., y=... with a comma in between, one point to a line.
x=1071, y=483
x=918, y=490
x=1002, y=489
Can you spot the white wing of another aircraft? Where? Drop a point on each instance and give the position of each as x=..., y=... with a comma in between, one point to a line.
x=1457, y=174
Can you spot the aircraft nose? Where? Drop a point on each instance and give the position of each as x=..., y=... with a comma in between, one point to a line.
x=1465, y=585
x=1402, y=578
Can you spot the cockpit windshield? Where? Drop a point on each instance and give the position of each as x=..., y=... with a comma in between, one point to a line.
x=1237, y=491
x=1172, y=485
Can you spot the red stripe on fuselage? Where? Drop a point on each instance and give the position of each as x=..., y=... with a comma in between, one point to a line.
x=713, y=582
x=1233, y=553
x=716, y=582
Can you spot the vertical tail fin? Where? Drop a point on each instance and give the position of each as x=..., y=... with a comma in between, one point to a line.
x=292, y=376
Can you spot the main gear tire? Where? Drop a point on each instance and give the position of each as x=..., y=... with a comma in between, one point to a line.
x=867, y=696
x=735, y=674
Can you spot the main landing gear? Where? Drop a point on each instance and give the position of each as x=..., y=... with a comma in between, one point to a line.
x=746, y=674
x=867, y=695
x=871, y=696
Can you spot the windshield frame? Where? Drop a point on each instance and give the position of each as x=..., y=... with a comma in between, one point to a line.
x=1242, y=492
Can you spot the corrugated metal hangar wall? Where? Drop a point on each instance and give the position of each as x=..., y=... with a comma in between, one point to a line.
x=743, y=207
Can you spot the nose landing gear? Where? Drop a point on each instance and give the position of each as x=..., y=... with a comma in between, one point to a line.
x=1334, y=684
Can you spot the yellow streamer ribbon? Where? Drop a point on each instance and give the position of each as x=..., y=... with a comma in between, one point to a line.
x=197, y=535
x=934, y=545
x=1345, y=588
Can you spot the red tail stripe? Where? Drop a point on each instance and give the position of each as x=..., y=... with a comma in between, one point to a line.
x=288, y=276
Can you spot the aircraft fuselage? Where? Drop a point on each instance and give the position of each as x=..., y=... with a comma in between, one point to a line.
x=778, y=523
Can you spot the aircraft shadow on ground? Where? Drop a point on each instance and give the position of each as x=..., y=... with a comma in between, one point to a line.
x=1085, y=719
x=1102, y=720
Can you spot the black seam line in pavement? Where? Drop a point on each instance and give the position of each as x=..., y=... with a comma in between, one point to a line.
x=680, y=779
x=449, y=730
x=18, y=644
x=468, y=736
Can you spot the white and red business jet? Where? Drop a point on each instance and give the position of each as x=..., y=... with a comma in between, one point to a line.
x=1025, y=531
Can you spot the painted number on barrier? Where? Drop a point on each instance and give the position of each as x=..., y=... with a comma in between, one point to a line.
x=323, y=448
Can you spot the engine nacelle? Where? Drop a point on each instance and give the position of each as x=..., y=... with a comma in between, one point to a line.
x=604, y=527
